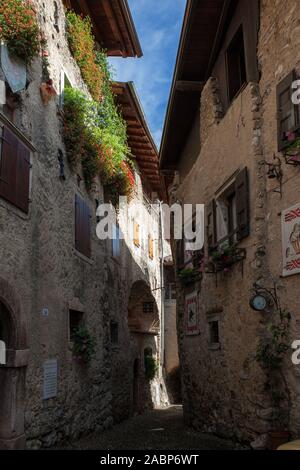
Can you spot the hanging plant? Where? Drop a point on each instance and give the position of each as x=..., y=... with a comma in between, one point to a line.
x=90, y=142
x=83, y=345
x=82, y=45
x=19, y=28
x=151, y=367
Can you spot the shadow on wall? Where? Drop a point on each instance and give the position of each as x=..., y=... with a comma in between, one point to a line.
x=173, y=384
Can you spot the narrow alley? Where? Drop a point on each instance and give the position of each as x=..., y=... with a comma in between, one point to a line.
x=160, y=429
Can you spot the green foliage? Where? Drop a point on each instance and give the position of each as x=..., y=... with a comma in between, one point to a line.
x=89, y=140
x=84, y=344
x=82, y=45
x=19, y=28
x=272, y=349
x=151, y=367
x=95, y=132
x=188, y=275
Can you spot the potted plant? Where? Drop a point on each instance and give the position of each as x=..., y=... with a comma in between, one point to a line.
x=83, y=345
x=189, y=275
x=224, y=257
x=47, y=91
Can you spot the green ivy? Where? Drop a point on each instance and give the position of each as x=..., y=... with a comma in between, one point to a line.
x=84, y=345
x=151, y=367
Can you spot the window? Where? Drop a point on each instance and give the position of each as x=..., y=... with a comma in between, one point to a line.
x=14, y=169
x=75, y=322
x=236, y=66
x=150, y=247
x=82, y=227
x=56, y=17
x=214, y=338
x=170, y=292
x=147, y=353
x=288, y=113
x=136, y=234
x=228, y=216
x=148, y=307
x=116, y=243
x=114, y=332
x=64, y=83
x=11, y=104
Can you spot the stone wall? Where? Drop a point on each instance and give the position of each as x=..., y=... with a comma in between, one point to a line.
x=279, y=54
x=39, y=260
x=224, y=388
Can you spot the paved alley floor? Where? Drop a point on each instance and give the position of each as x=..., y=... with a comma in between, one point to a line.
x=161, y=429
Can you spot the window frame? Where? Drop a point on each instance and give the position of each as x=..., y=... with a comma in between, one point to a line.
x=235, y=40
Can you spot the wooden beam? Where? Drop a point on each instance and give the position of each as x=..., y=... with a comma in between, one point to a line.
x=107, y=6
x=189, y=86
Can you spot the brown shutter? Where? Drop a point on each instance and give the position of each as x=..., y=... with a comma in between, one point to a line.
x=136, y=239
x=150, y=246
x=288, y=116
x=242, y=204
x=82, y=227
x=14, y=171
x=211, y=224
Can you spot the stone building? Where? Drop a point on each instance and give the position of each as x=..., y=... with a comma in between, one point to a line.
x=55, y=274
x=231, y=140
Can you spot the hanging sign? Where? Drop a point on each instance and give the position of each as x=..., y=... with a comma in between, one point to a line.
x=291, y=240
x=13, y=69
x=191, y=314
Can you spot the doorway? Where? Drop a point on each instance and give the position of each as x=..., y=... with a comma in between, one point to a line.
x=12, y=383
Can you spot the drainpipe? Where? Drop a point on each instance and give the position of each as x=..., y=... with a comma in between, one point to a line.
x=162, y=320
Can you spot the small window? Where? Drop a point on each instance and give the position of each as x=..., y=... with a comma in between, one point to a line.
x=147, y=353
x=116, y=242
x=114, y=332
x=228, y=216
x=82, y=227
x=236, y=65
x=75, y=322
x=136, y=234
x=14, y=169
x=56, y=17
x=11, y=104
x=214, y=338
x=170, y=292
x=148, y=307
x=64, y=84
x=150, y=247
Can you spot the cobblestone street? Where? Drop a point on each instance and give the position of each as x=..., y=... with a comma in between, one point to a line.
x=161, y=429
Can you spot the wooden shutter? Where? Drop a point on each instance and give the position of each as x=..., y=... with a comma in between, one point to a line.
x=211, y=224
x=14, y=170
x=82, y=227
x=136, y=235
x=288, y=116
x=150, y=247
x=242, y=204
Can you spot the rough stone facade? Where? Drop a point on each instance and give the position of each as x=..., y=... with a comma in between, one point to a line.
x=40, y=269
x=224, y=387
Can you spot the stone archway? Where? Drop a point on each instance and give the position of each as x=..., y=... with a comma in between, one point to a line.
x=143, y=324
x=13, y=372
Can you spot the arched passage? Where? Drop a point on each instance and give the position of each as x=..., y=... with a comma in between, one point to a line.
x=13, y=372
x=143, y=324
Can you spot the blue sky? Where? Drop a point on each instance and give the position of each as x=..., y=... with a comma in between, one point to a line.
x=158, y=24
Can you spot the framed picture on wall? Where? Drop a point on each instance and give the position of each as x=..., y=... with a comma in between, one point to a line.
x=291, y=240
x=191, y=314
